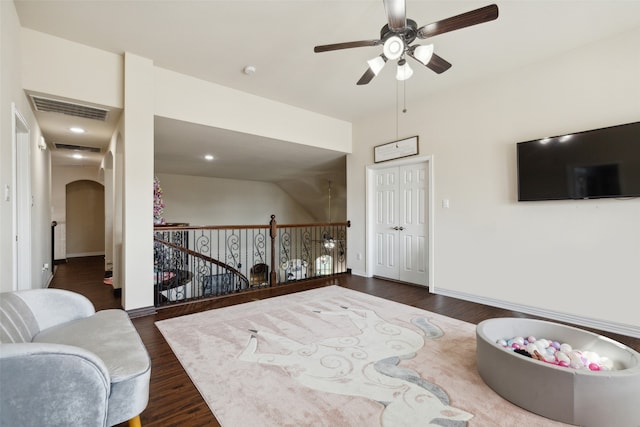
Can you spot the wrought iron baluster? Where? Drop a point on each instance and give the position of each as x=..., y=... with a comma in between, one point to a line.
x=196, y=262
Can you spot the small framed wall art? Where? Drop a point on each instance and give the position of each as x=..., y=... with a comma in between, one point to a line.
x=396, y=149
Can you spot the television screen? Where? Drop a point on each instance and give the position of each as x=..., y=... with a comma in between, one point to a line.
x=585, y=165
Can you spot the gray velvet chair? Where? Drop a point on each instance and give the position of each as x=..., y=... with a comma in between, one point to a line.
x=63, y=364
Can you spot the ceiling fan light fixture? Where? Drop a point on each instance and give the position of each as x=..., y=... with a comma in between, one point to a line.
x=393, y=48
x=330, y=244
x=404, y=71
x=376, y=64
x=423, y=53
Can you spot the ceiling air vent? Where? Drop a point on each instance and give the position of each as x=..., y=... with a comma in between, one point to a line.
x=76, y=147
x=77, y=110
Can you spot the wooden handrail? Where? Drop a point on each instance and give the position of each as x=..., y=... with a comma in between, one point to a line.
x=243, y=227
x=157, y=227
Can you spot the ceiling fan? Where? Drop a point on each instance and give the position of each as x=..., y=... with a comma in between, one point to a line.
x=397, y=35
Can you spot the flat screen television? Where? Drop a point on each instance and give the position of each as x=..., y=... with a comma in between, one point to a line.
x=584, y=165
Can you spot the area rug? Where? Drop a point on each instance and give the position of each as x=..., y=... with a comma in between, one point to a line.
x=337, y=357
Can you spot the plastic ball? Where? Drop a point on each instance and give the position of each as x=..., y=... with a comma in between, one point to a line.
x=606, y=363
x=540, y=345
x=591, y=356
x=562, y=357
x=576, y=360
x=553, y=352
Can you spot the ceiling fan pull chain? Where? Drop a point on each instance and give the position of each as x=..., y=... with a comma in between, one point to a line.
x=404, y=96
x=397, y=109
x=404, y=104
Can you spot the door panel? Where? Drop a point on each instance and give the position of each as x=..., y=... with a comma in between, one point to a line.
x=401, y=223
x=386, y=206
x=413, y=206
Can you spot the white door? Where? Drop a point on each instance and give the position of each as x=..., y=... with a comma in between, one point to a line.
x=401, y=223
x=22, y=202
x=386, y=223
x=413, y=225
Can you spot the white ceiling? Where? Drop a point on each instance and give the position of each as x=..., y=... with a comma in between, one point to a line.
x=180, y=148
x=215, y=40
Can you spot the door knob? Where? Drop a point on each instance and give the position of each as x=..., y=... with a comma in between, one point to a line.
x=401, y=228
x=396, y=228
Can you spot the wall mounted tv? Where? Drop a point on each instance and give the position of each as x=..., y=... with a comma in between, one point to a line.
x=585, y=165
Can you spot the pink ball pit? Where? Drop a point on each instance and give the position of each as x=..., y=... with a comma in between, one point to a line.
x=579, y=397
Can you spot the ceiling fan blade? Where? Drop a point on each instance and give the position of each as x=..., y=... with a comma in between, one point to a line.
x=346, y=45
x=396, y=14
x=375, y=66
x=436, y=63
x=478, y=16
x=366, y=77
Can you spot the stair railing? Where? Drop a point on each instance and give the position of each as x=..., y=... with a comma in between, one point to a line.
x=200, y=262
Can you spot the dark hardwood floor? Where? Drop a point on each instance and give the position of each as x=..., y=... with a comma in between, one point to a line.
x=174, y=400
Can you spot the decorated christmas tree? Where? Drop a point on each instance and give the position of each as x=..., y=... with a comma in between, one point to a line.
x=158, y=203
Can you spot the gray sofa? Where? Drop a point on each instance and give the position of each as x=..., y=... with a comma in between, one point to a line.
x=62, y=363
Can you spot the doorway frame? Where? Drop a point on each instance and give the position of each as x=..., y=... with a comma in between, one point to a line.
x=370, y=212
x=22, y=200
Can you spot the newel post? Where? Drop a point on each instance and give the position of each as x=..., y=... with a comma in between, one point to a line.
x=273, y=232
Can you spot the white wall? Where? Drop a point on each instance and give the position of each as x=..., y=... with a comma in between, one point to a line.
x=575, y=257
x=56, y=66
x=186, y=98
x=11, y=92
x=216, y=201
x=137, y=250
x=40, y=211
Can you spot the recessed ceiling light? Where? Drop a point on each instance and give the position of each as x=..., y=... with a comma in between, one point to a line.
x=77, y=130
x=77, y=156
x=208, y=157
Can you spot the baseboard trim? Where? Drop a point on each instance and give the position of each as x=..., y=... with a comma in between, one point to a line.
x=616, y=328
x=85, y=254
x=359, y=273
x=141, y=312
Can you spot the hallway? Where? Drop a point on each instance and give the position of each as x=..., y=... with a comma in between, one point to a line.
x=85, y=276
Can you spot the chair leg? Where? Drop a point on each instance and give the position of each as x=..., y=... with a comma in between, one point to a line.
x=135, y=421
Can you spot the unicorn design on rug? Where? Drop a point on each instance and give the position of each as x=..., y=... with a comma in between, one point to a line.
x=365, y=365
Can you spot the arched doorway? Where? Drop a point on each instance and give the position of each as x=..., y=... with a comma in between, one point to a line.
x=85, y=219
